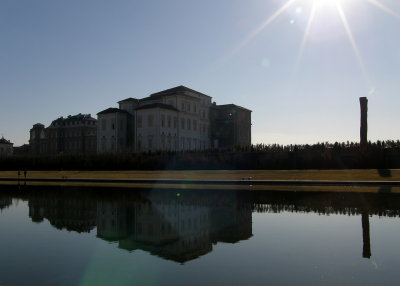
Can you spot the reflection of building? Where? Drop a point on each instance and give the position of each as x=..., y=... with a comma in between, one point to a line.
x=176, y=229
x=6, y=147
x=72, y=135
x=5, y=202
x=73, y=214
x=174, y=119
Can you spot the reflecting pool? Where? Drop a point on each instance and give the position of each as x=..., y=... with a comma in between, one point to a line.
x=93, y=236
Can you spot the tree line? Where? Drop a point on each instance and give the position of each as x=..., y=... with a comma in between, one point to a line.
x=344, y=155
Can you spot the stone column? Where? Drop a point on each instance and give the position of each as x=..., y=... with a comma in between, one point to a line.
x=364, y=121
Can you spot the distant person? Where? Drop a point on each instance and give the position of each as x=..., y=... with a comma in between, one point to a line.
x=25, y=172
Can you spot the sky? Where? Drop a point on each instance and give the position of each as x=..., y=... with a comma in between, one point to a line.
x=300, y=66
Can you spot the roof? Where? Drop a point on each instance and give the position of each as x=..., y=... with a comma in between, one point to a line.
x=78, y=117
x=128, y=99
x=232, y=106
x=4, y=141
x=112, y=110
x=177, y=90
x=157, y=105
x=151, y=98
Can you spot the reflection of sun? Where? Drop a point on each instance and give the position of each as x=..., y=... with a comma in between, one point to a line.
x=315, y=6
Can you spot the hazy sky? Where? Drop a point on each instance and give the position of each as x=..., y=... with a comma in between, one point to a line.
x=301, y=78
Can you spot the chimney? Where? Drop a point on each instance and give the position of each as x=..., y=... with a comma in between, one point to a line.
x=364, y=121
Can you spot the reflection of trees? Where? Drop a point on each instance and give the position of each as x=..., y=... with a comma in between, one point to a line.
x=327, y=203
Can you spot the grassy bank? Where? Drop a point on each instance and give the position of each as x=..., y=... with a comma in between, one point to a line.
x=338, y=175
x=354, y=175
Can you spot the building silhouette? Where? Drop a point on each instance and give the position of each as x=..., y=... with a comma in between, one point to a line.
x=71, y=135
x=175, y=119
x=6, y=147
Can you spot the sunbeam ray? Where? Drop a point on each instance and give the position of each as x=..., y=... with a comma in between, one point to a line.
x=305, y=37
x=352, y=41
x=260, y=28
x=384, y=8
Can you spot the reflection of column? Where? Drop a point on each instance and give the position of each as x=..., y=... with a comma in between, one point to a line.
x=366, y=238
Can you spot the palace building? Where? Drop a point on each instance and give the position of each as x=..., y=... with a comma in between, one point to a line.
x=71, y=135
x=175, y=119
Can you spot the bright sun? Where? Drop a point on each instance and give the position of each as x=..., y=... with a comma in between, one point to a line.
x=315, y=7
x=329, y=3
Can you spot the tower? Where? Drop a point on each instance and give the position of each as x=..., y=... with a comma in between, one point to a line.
x=364, y=121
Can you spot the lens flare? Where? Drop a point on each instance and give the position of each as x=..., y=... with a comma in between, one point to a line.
x=261, y=27
x=305, y=37
x=384, y=8
x=352, y=41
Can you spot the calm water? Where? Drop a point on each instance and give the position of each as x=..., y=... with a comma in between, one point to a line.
x=130, y=237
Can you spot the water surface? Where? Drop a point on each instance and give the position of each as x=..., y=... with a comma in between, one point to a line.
x=72, y=236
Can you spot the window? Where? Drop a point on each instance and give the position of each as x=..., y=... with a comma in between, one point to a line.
x=169, y=121
x=188, y=107
x=188, y=124
x=112, y=143
x=103, y=124
x=176, y=143
x=182, y=123
x=175, y=122
x=163, y=141
x=139, y=142
x=169, y=142
x=162, y=120
x=195, y=108
x=150, y=120
x=113, y=124
x=194, y=125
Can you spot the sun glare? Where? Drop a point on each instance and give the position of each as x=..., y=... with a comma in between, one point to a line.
x=325, y=2
x=339, y=7
x=329, y=4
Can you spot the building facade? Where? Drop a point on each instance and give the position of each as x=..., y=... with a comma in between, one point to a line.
x=6, y=147
x=75, y=134
x=175, y=119
x=231, y=125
